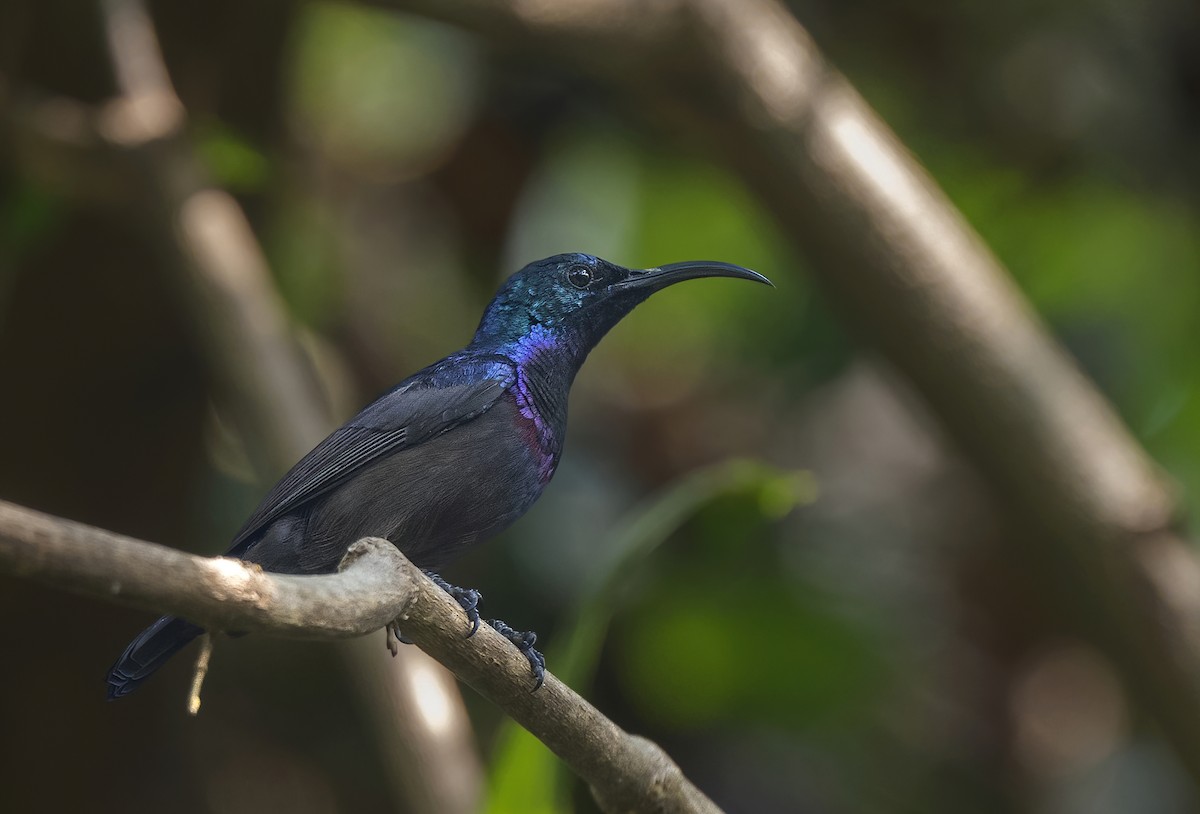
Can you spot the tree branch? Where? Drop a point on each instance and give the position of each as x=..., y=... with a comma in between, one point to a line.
x=65, y=145
x=744, y=78
x=215, y=592
x=375, y=585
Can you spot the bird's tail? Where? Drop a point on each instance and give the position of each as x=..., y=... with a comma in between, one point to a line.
x=149, y=651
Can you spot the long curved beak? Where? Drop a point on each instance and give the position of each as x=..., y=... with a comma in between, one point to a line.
x=663, y=276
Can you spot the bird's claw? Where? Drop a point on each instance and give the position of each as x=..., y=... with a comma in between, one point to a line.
x=467, y=598
x=395, y=638
x=525, y=642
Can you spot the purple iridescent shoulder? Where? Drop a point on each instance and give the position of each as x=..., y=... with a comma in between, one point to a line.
x=534, y=343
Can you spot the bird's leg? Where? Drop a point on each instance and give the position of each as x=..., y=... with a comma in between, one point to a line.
x=524, y=642
x=468, y=598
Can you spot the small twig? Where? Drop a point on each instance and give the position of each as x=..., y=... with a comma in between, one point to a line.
x=201, y=670
x=393, y=640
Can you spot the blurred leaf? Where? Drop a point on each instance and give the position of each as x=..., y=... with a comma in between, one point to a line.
x=727, y=648
x=1087, y=249
x=776, y=492
x=301, y=243
x=380, y=93
x=691, y=209
x=694, y=209
x=235, y=164
x=601, y=190
x=1113, y=270
x=27, y=214
x=526, y=776
x=583, y=196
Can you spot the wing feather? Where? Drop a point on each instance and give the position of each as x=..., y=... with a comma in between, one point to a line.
x=424, y=406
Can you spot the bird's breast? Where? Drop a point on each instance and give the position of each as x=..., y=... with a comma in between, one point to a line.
x=537, y=428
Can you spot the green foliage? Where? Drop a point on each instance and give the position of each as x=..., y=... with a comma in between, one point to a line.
x=725, y=647
x=27, y=214
x=235, y=163
x=691, y=208
x=378, y=93
x=1113, y=271
x=526, y=777
x=301, y=243
x=601, y=189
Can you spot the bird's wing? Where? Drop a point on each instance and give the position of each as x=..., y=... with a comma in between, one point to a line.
x=424, y=406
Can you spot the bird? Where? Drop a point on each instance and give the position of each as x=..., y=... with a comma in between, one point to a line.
x=450, y=456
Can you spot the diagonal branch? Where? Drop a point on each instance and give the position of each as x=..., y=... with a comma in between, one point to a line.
x=237, y=314
x=376, y=585
x=744, y=78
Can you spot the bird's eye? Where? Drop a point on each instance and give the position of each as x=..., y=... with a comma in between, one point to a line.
x=579, y=277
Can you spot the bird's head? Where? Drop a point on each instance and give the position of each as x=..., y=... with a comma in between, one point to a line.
x=577, y=298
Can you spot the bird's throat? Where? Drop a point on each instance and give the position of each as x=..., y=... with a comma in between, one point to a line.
x=546, y=362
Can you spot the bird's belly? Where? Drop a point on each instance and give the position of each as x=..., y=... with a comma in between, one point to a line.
x=432, y=501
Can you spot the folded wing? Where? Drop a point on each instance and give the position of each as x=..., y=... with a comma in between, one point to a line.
x=422, y=407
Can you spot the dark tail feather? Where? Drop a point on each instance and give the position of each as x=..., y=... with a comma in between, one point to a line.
x=149, y=651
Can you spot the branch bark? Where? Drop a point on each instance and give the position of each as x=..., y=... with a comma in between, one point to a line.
x=216, y=592
x=744, y=78
x=376, y=584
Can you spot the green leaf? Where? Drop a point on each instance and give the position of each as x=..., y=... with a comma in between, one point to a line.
x=236, y=164
x=715, y=627
x=526, y=776
x=386, y=95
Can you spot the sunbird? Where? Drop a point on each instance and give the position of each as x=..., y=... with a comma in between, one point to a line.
x=450, y=456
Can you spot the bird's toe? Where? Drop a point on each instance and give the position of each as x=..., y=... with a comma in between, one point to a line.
x=524, y=641
x=395, y=638
x=467, y=598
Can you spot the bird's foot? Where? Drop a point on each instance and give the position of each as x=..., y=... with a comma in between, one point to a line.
x=467, y=598
x=525, y=642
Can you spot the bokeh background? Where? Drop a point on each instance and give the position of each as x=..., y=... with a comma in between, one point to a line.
x=818, y=609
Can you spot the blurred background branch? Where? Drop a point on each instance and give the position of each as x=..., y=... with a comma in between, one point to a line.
x=900, y=261
x=269, y=388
